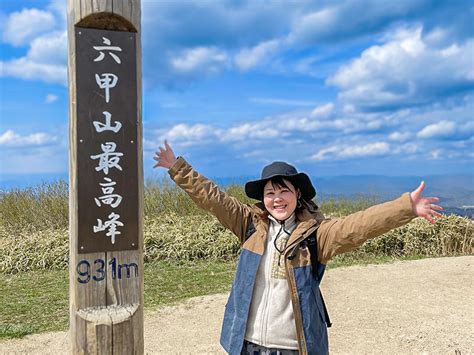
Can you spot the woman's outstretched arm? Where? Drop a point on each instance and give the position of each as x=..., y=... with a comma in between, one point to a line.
x=341, y=235
x=230, y=212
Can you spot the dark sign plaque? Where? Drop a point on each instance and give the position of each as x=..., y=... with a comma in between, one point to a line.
x=107, y=151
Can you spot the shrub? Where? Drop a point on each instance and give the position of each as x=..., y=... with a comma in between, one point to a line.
x=190, y=237
x=451, y=235
x=33, y=249
x=39, y=207
x=34, y=222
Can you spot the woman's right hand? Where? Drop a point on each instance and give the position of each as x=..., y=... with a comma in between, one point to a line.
x=165, y=157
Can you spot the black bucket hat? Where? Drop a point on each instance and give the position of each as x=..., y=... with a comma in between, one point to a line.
x=254, y=189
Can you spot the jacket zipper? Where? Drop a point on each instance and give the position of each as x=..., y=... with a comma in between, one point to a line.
x=290, y=253
x=296, y=306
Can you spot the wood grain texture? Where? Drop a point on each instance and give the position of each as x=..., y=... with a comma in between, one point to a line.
x=86, y=8
x=73, y=17
x=101, y=320
x=127, y=290
x=104, y=339
x=118, y=7
x=124, y=341
x=102, y=6
x=135, y=14
x=73, y=12
x=126, y=8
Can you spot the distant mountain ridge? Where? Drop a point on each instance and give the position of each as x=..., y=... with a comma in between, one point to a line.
x=453, y=190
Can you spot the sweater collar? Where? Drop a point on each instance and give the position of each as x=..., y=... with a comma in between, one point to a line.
x=288, y=223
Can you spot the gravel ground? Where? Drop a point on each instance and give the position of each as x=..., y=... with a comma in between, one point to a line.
x=410, y=307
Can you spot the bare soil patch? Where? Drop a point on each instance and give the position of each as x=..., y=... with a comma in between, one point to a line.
x=410, y=307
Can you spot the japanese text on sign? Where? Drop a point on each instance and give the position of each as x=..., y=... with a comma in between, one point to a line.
x=107, y=132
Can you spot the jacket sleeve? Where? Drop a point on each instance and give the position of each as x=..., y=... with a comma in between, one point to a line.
x=230, y=212
x=340, y=235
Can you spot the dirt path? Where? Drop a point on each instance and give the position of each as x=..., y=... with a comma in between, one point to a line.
x=413, y=307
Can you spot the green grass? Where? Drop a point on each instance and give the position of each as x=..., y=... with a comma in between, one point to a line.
x=167, y=283
x=38, y=301
x=33, y=302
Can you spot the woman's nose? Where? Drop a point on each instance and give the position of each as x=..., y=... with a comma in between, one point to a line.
x=278, y=198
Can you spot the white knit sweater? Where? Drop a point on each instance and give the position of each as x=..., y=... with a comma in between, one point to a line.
x=271, y=322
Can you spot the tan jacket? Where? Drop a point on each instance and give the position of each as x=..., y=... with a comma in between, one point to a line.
x=334, y=236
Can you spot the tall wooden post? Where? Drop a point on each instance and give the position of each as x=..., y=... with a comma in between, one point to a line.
x=106, y=177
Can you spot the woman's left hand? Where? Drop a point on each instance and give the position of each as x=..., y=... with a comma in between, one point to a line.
x=424, y=206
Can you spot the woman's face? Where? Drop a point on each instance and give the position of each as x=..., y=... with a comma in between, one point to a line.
x=280, y=201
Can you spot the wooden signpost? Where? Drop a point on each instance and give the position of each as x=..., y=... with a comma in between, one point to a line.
x=106, y=177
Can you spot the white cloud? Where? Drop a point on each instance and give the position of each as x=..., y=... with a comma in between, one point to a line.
x=50, y=98
x=440, y=129
x=399, y=136
x=325, y=153
x=391, y=135
x=323, y=110
x=195, y=132
x=23, y=26
x=405, y=71
x=26, y=69
x=59, y=7
x=352, y=151
x=250, y=131
x=190, y=135
x=11, y=139
x=371, y=149
x=50, y=48
x=203, y=59
x=318, y=24
x=199, y=134
x=275, y=127
x=46, y=60
x=407, y=148
x=249, y=58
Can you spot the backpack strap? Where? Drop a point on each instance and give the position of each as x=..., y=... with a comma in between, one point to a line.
x=250, y=229
x=312, y=243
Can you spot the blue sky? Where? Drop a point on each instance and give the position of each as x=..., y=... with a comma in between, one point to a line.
x=334, y=87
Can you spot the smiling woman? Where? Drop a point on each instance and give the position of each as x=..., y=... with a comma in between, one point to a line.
x=275, y=305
